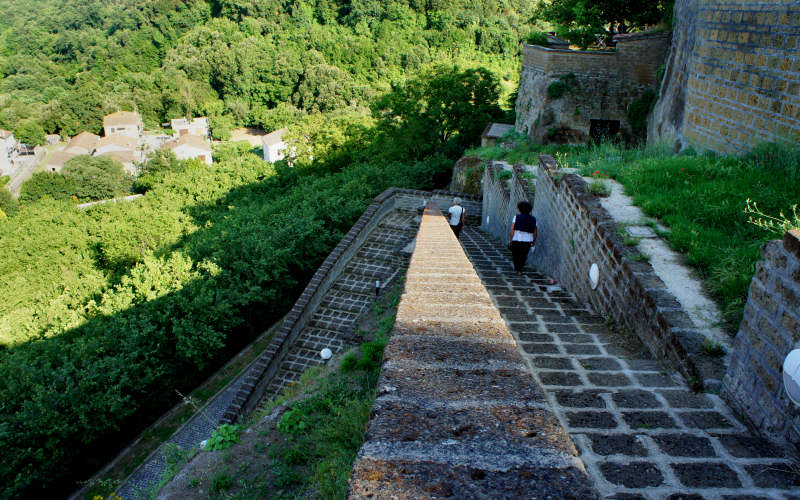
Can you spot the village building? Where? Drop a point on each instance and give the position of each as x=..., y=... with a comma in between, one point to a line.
x=52, y=138
x=197, y=126
x=493, y=133
x=115, y=143
x=191, y=146
x=273, y=145
x=125, y=123
x=82, y=144
x=7, y=147
x=57, y=160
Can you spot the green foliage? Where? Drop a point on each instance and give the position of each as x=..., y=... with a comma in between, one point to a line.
x=599, y=188
x=503, y=175
x=579, y=21
x=564, y=84
x=713, y=349
x=444, y=110
x=223, y=437
x=30, y=132
x=777, y=225
x=4, y=179
x=8, y=204
x=82, y=178
x=536, y=37
x=638, y=111
x=292, y=421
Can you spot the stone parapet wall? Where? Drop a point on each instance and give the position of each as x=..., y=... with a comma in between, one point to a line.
x=500, y=198
x=732, y=79
x=262, y=370
x=770, y=329
x=575, y=231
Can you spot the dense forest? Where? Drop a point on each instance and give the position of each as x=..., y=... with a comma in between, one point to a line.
x=63, y=65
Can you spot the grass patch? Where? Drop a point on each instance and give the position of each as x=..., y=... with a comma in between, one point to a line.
x=701, y=198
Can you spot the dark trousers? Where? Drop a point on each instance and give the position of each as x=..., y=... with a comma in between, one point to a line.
x=457, y=229
x=519, y=253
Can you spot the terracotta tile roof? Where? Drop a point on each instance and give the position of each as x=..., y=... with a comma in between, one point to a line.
x=84, y=140
x=59, y=158
x=194, y=141
x=122, y=141
x=121, y=118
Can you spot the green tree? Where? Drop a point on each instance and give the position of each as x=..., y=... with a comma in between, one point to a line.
x=42, y=184
x=96, y=177
x=579, y=21
x=443, y=110
x=30, y=132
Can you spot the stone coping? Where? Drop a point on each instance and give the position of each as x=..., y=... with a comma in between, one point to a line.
x=295, y=320
x=572, y=51
x=670, y=326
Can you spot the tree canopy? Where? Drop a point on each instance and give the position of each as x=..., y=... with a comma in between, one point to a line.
x=580, y=21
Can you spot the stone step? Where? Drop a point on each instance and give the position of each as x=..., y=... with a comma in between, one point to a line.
x=355, y=283
x=391, y=237
x=405, y=220
x=347, y=301
x=333, y=319
x=374, y=252
x=373, y=269
x=316, y=339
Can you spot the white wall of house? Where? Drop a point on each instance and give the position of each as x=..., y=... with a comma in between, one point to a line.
x=187, y=152
x=274, y=152
x=126, y=130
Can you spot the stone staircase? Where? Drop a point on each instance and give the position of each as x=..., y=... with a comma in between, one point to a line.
x=640, y=431
x=332, y=325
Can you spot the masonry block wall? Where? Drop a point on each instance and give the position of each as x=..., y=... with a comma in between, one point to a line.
x=770, y=329
x=732, y=78
x=500, y=199
x=601, y=85
x=575, y=231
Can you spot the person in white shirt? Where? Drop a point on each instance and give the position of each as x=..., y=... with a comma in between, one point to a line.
x=523, y=235
x=457, y=214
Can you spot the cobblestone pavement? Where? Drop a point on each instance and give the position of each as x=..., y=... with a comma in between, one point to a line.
x=333, y=323
x=640, y=431
x=331, y=326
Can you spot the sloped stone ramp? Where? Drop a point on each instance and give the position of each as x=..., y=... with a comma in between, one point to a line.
x=458, y=414
x=641, y=433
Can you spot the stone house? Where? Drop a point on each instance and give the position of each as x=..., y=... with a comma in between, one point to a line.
x=57, y=160
x=125, y=123
x=191, y=146
x=273, y=145
x=493, y=133
x=82, y=144
x=116, y=143
x=197, y=126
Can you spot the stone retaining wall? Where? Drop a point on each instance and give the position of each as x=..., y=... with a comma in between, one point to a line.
x=732, y=78
x=770, y=329
x=500, y=198
x=297, y=319
x=575, y=231
x=599, y=86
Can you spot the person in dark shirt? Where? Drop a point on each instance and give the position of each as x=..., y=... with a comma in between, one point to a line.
x=523, y=235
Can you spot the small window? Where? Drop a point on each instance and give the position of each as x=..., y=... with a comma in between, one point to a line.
x=603, y=129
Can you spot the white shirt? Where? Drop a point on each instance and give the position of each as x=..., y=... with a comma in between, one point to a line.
x=455, y=214
x=522, y=236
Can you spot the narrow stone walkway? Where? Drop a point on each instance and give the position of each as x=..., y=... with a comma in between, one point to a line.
x=457, y=413
x=380, y=259
x=640, y=431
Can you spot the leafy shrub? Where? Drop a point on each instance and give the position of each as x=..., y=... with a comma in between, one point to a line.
x=223, y=437
x=556, y=89
x=503, y=175
x=599, y=188
x=292, y=422
x=8, y=204
x=536, y=37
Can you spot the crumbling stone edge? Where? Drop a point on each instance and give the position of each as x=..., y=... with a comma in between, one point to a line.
x=262, y=370
x=631, y=292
